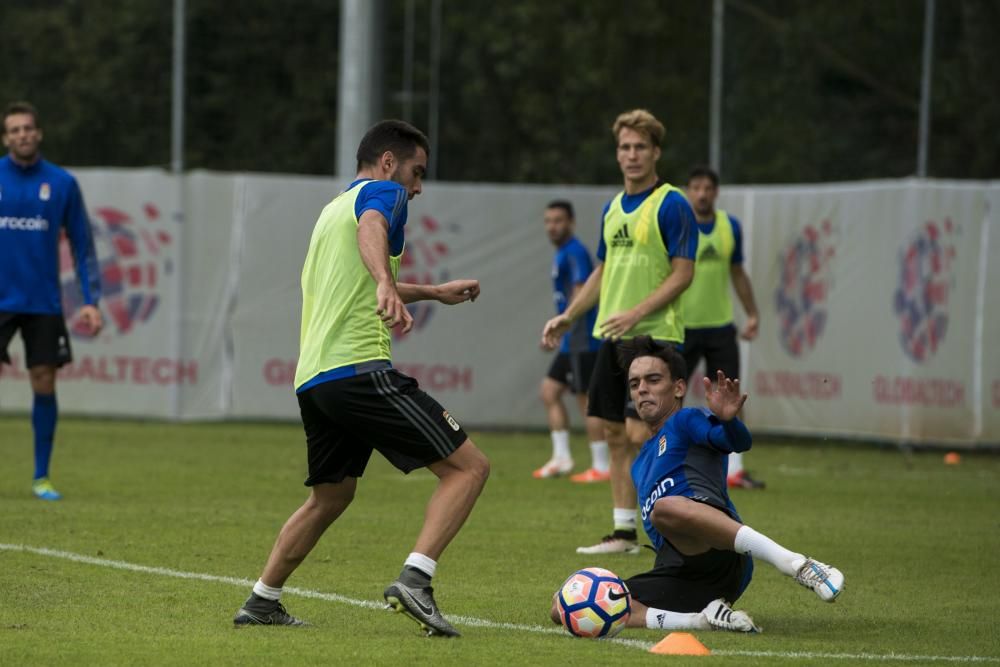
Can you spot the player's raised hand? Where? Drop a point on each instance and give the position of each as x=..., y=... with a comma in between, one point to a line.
x=91, y=318
x=554, y=330
x=391, y=308
x=458, y=291
x=723, y=398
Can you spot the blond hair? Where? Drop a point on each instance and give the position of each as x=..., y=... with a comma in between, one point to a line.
x=643, y=122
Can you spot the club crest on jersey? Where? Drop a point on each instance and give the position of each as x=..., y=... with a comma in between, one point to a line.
x=662, y=445
x=451, y=421
x=44, y=192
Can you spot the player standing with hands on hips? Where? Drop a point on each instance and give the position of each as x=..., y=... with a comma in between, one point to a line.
x=352, y=400
x=38, y=201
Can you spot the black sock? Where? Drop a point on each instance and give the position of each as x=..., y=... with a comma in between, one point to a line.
x=414, y=578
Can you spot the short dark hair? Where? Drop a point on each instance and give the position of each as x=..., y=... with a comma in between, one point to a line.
x=396, y=136
x=645, y=346
x=20, y=107
x=704, y=171
x=564, y=205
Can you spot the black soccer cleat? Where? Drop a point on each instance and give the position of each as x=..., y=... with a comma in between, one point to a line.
x=261, y=611
x=418, y=604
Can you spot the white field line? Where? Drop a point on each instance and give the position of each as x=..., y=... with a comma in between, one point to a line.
x=477, y=622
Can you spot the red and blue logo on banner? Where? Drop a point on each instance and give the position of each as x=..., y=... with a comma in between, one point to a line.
x=921, y=298
x=422, y=264
x=133, y=264
x=803, y=288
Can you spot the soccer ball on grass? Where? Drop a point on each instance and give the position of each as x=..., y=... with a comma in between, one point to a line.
x=594, y=603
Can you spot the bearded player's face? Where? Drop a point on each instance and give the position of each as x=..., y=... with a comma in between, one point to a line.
x=410, y=173
x=21, y=136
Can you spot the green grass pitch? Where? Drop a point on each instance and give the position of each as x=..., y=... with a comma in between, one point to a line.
x=916, y=539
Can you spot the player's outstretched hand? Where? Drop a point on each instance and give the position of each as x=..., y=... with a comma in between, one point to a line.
x=458, y=291
x=391, y=308
x=723, y=398
x=553, y=331
x=91, y=318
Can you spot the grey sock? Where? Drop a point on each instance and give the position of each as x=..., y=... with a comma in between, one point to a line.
x=414, y=578
x=256, y=602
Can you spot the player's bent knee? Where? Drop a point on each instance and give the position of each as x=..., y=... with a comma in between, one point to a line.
x=330, y=500
x=470, y=460
x=670, y=513
x=550, y=391
x=481, y=465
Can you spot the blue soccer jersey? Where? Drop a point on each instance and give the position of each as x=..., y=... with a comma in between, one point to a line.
x=687, y=457
x=37, y=203
x=571, y=266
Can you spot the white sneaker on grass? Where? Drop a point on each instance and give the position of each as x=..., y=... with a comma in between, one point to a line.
x=827, y=582
x=554, y=468
x=721, y=616
x=618, y=542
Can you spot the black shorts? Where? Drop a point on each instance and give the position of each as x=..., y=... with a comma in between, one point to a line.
x=608, y=397
x=573, y=369
x=46, y=340
x=385, y=410
x=686, y=584
x=719, y=348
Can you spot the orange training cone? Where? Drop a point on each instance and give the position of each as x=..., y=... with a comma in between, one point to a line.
x=680, y=643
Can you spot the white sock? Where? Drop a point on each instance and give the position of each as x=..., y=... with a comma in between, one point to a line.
x=560, y=445
x=735, y=463
x=267, y=592
x=421, y=562
x=599, y=456
x=750, y=542
x=661, y=619
x=624, y=518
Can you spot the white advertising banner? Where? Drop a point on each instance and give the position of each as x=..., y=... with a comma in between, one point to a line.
x=878, y=302
x=868, y=300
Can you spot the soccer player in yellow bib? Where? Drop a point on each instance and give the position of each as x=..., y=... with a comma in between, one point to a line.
x=708, y=308
x=351, y=398
x=645, y=261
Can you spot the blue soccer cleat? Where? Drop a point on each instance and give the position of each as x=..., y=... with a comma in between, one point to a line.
x=43, y=489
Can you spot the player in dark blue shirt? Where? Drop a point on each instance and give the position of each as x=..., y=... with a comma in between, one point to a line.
x=704, y=551
x=574, y=361
x=39, y=202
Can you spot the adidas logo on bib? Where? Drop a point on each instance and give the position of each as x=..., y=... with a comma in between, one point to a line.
x=621, y=239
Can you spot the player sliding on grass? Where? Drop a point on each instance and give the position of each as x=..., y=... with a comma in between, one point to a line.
x=352, y=400
x=703, y=551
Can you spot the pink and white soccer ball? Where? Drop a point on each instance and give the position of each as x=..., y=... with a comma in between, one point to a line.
x=595, y=603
